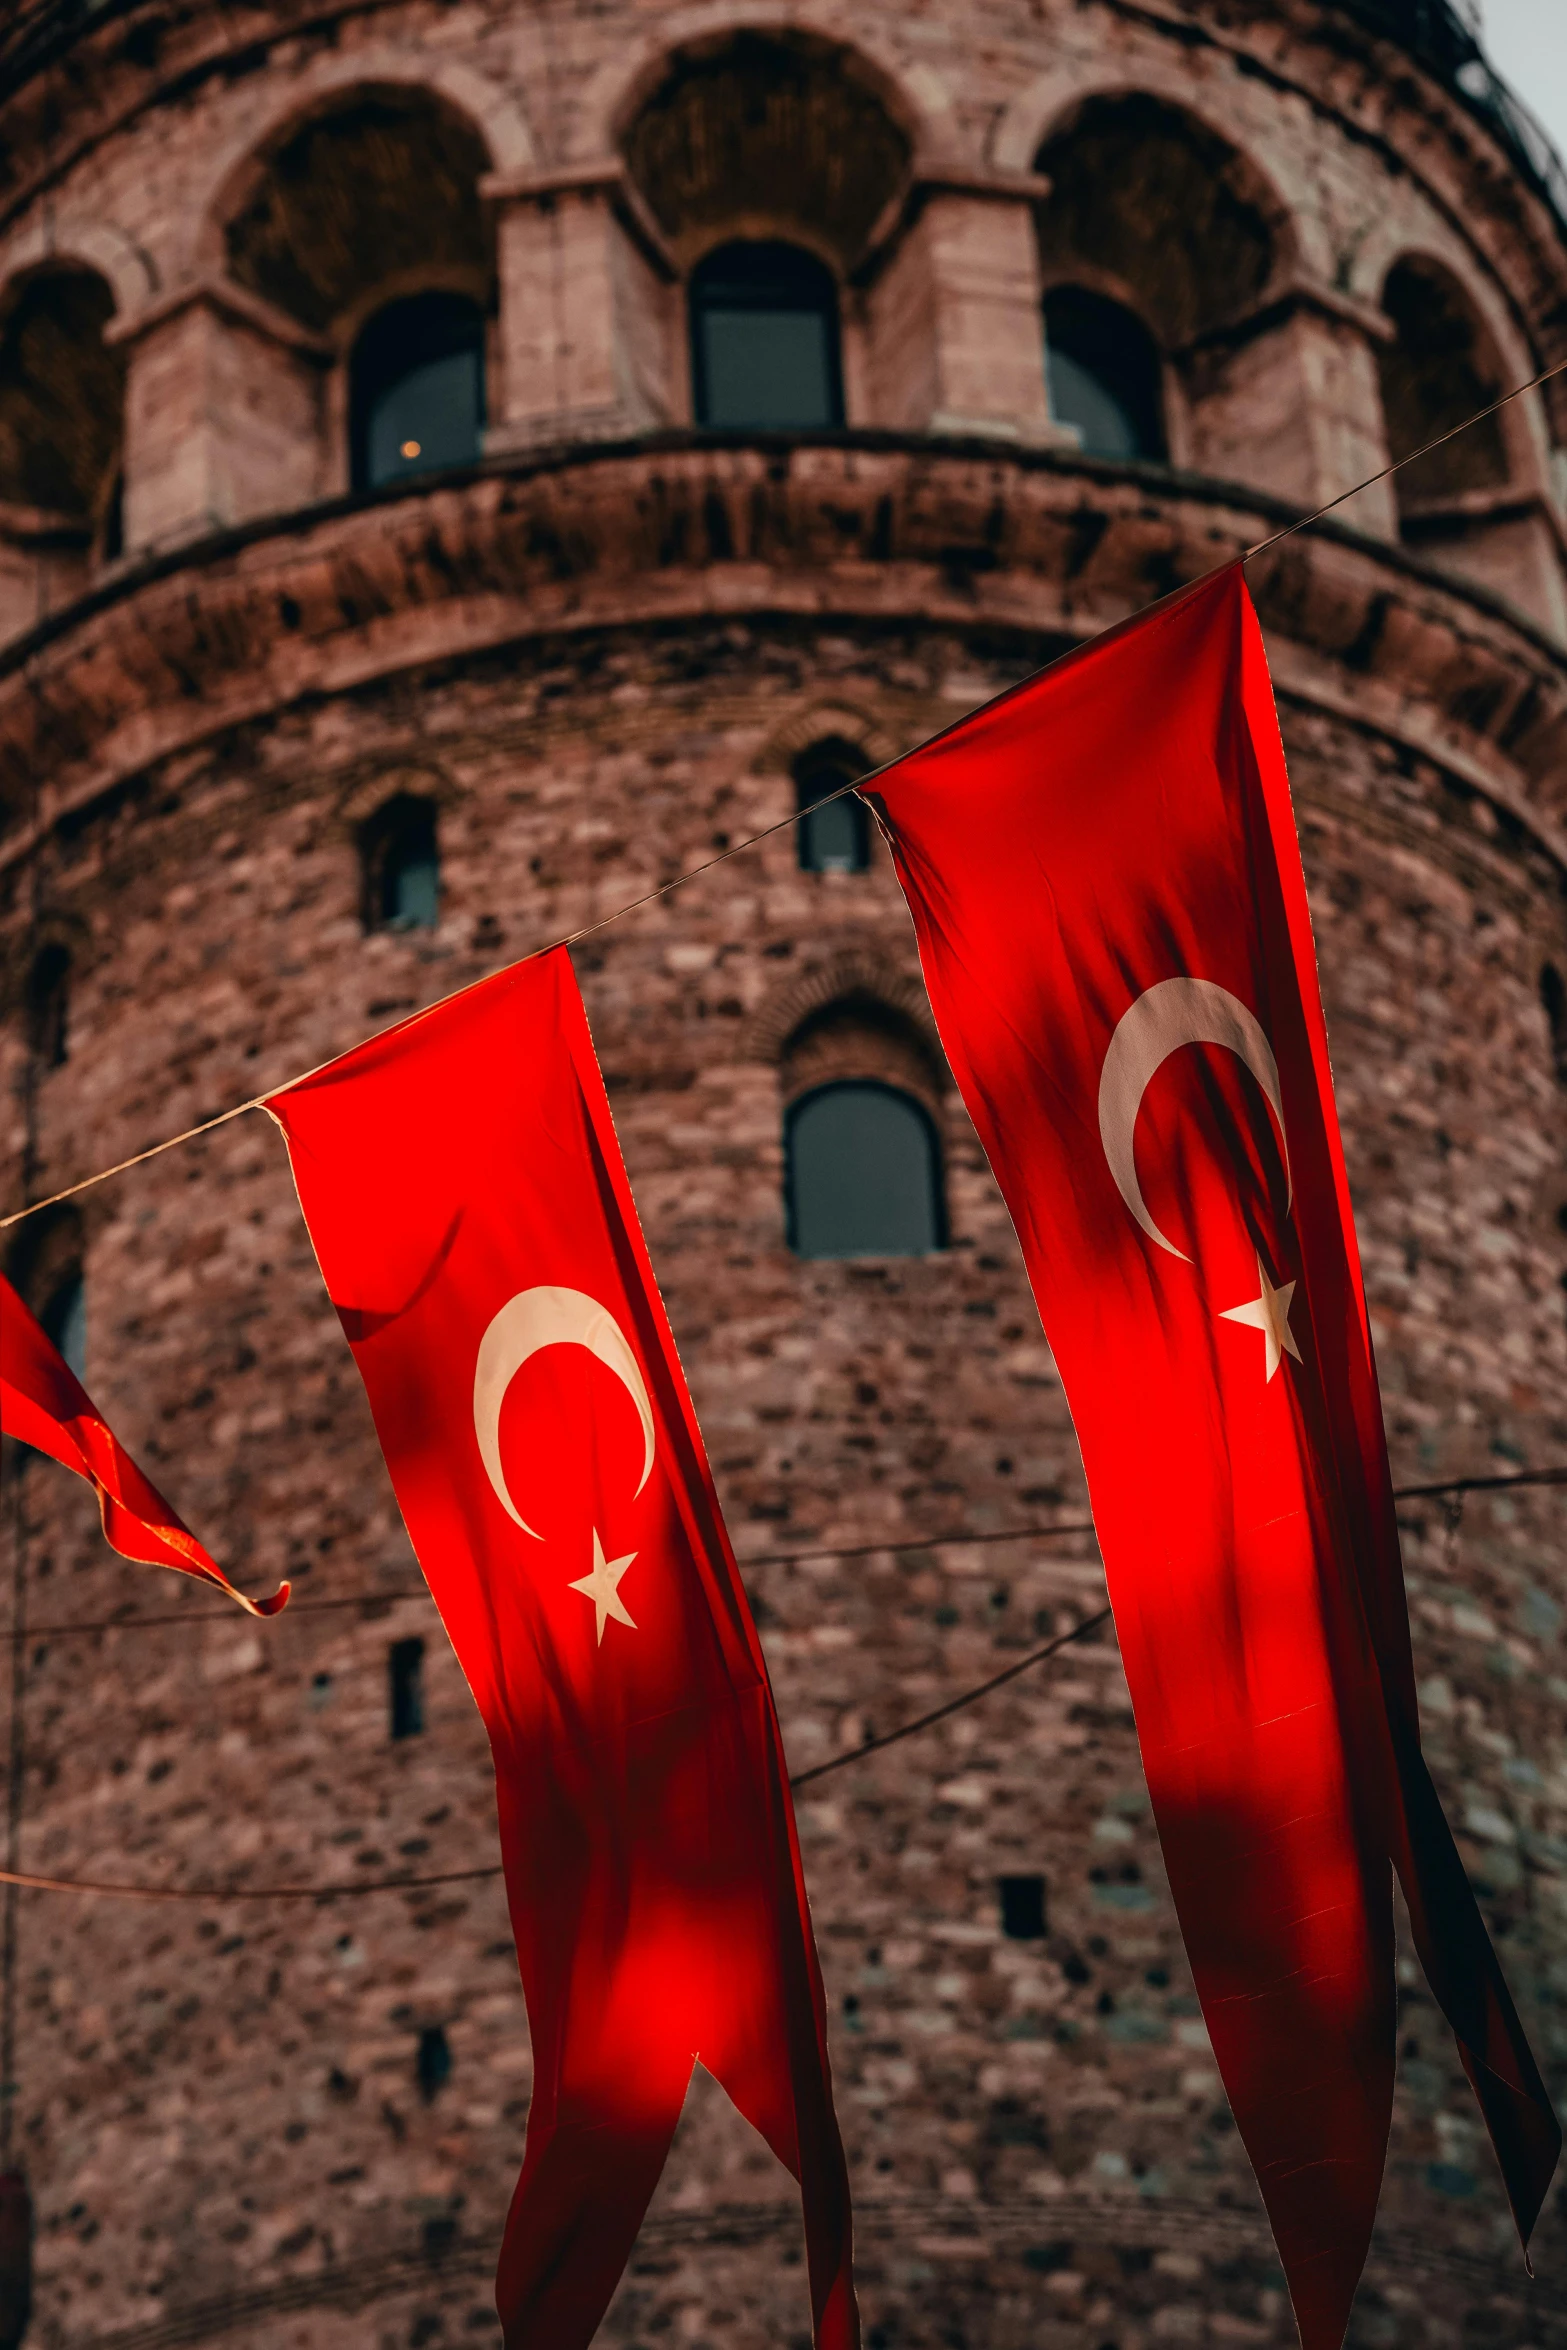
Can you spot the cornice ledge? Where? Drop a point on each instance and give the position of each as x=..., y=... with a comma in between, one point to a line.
x=331, y=599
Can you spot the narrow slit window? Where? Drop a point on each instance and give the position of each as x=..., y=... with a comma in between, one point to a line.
x=402, y=867
x=1022, y=1908
x=433, y=2064
x=406, y=1669
x=49, y=1006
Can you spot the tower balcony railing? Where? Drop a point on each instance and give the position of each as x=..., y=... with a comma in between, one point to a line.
x=1440, y=36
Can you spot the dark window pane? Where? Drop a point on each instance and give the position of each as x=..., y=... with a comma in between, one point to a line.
x=64, y=1320
x=837, y=838
x=402, y=867
x=417, y=389
x=764, y=339
x=1023, y=1908
x=863, y=1174
x=49, y=1005
x=434, y=2061
x=405, y=1662
x=1102, y=368
x=412, y=888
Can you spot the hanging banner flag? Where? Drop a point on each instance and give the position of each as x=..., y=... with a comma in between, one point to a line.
x=44, y=1404
x=465, y=1194
x=1104, y=877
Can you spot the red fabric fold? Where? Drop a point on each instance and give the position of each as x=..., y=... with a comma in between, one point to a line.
x=44, y=1404
x=1106, y=886
x=466, y=1197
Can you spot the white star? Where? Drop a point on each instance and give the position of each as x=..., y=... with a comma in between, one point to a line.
x=1269, y=1313
x=603, y=1586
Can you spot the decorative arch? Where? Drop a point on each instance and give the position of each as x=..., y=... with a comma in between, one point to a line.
x=1047, y=104
x=376, y=187
x=914, y=94
x=128, y=270
x=855, y=976
x=817, y=723
x=1443, y=362
x=765, y=128
x=324, y=87
x=1155, y=207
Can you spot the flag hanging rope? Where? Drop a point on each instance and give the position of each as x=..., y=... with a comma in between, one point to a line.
x=954, y=1538
x=1454, y=1488
x=754, y=839
x=838, y=1762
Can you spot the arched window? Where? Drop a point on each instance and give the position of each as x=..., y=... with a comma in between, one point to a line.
x=402, y=869
x=764, y=339
x=49, y=1005
x=62, y=395
x=863, y=1173
x=835, y=838
x=1145, y=198
x=416, y=389
x=1438, y=370
x=1102, y=367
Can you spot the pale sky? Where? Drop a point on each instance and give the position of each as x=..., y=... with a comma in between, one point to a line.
x=1526, y=41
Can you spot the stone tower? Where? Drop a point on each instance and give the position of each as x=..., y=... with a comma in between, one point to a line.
x=465, y=462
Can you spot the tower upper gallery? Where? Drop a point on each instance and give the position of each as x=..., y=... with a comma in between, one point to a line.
x=1263, y=246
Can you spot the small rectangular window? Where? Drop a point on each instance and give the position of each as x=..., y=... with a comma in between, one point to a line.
x=1023, y=1908
x=406, y=1663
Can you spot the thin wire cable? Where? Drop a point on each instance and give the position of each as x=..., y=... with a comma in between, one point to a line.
x=18, y=1880
x=954, y=1538
x=420, y=1590
x=753, y=840
x=838, y=1762
x=1547, y=375
x=953, y=1705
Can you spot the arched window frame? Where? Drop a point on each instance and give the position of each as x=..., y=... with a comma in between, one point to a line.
x=37, y=416
x=456, y=293
x=855, y=1036
x=818, y=771
x=917, y=1109
x=1491, y=453
x=406, y=821
x=813, y=265
x=1160, y=396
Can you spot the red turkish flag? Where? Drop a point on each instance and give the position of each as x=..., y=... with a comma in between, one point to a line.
x=465, y=1193
x=44, y=1404
x=1104, y=877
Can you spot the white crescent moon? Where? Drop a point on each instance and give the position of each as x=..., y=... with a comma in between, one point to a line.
x=536, y=1318
x=1164, y=1017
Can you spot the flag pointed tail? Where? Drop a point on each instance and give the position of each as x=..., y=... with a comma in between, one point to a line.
x=44, y=1404
x=1466, y=1980
x=584, y=2191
